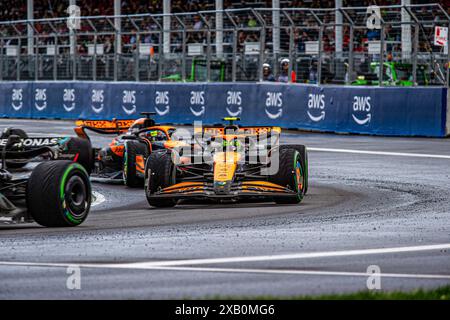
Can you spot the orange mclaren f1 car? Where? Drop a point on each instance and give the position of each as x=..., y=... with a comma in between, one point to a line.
x=231, y=163
x=123, y=160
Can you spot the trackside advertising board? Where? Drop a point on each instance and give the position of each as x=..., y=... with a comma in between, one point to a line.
x=366, y=110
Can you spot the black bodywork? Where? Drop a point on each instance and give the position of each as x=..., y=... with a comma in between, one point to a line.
x=22, y=155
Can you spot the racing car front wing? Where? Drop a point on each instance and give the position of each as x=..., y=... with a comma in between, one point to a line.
x=236, y=191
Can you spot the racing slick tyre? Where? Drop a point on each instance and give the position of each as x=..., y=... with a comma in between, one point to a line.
x=16, y=164
x=59, y=194
x=160, y=173
x=134, y=157
x=290, y=174
x=82, y=151
x=304, y=156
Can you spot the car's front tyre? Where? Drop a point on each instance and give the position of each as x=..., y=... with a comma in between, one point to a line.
x=59, y=194
x=160, y=173
x=290, y=174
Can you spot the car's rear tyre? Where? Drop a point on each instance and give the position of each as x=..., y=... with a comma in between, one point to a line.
x=59, y=194
x=82, y=152
x=134, y=155
x=304, y=156
x=290, y=174
x=16, y=164
x=160, y=173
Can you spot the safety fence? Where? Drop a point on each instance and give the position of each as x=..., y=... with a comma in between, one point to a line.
x=356, y=45
x=344, y=109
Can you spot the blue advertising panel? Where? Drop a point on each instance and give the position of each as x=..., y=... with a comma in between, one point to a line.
x=366, y=110
x=15, y=99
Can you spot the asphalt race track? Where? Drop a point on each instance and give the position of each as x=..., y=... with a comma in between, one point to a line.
x=372, y=201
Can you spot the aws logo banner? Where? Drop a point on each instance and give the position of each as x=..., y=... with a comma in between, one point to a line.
x=180, y=104
x=162, y=102
x=125, y=101
x=129, y=101
x=69, y=99
x=15, y=99
x=40, y=99
x=55, y=100
x=316, y=107
x=274, y=104
x=362, y=110
x=197, y=102
x=234, y=103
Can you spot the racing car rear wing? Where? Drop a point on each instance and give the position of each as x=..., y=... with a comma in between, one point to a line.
x=113, y=126
x=35, y=142
x=251, y=130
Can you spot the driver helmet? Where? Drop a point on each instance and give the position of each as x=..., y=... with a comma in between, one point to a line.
x=155, y=135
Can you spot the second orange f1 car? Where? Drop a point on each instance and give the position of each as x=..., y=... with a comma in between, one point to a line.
x=123, y=160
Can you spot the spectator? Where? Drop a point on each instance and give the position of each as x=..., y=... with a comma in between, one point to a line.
x=313, y=74
x=267, y=73
x=198, y=23
x=284, y=73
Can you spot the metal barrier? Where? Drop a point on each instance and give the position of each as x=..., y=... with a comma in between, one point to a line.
x=140, y=48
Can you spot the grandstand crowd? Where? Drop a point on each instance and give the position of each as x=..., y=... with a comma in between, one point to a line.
x=17, y=9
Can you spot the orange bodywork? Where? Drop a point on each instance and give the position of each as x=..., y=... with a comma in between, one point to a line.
x=185, y=186
x=244, y=131
x=113, y=125
x=140, y=164
x=225, y=164
x=250, y=186
x=170, y=144
x=118, y=150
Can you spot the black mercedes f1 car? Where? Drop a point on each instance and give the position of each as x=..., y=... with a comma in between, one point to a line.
x=44, y=179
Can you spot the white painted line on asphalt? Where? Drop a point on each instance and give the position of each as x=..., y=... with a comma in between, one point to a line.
x=326, y=254
x=190, y=262
x=305, y=272
x=98, y=198
x=235, y=270
x=381, y=153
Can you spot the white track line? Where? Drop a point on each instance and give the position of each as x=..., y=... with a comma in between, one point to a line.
x=240, y=270
x=305, y=272
x=190, y=262
x=309, y=255
x=381, y=153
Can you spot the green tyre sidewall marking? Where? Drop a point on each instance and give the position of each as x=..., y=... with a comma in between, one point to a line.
x=296, y=160
x=306, y=173
x=125, y=163
x=63, y=193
